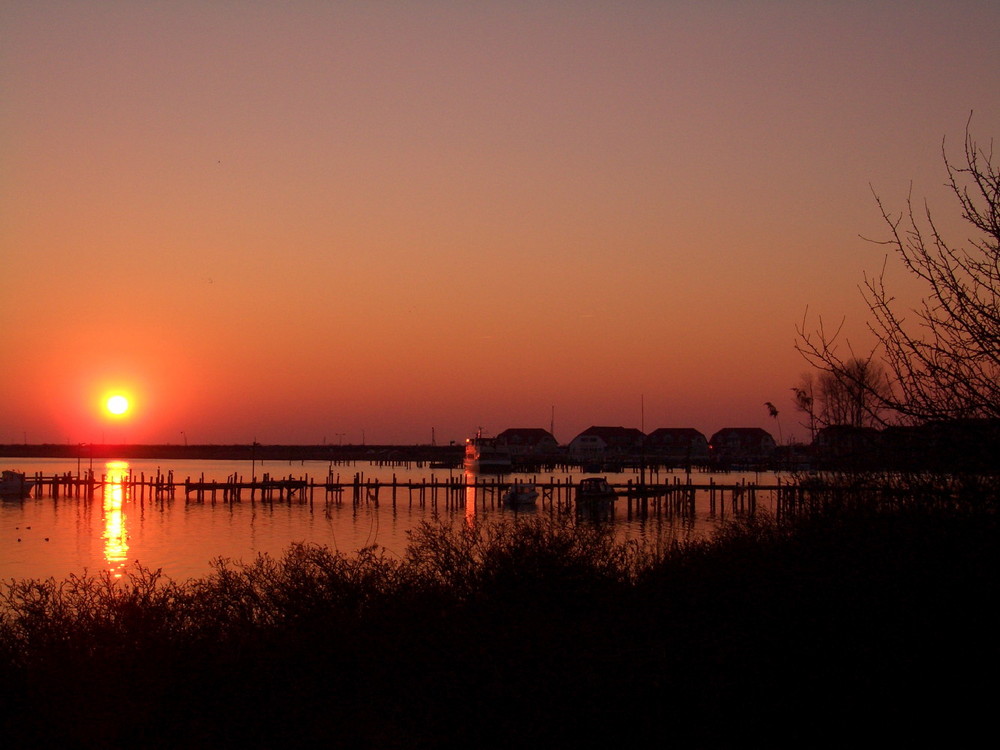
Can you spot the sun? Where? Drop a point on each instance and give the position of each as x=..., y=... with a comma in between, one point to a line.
x=117, y=405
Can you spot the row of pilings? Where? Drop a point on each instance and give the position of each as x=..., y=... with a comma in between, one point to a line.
x=453, y=492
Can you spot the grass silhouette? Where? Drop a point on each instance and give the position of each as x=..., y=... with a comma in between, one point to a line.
x=852, y=620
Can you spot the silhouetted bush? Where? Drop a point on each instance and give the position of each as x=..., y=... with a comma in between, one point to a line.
x=846, y=620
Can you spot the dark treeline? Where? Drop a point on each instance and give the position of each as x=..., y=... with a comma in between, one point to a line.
x=861, y=619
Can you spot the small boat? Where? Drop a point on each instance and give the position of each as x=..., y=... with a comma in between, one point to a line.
x=485, y=456
x=595, y=498
x=521, y=495
x=595, y=488
x=15, y=484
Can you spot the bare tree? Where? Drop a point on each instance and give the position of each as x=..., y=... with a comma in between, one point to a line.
x=853, y=395
x=941, y=359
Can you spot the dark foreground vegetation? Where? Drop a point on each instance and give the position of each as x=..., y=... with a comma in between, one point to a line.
x=854, y=624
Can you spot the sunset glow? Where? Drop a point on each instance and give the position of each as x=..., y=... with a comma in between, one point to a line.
x=352, y=223
x=117, y=405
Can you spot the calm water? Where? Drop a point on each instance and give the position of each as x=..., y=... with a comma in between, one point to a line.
x=42, y=537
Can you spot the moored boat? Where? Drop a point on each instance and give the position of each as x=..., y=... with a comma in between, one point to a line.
x=595, y=497
x=595, y=488
x=15, y=484
x=484, y=455
x=521, y=495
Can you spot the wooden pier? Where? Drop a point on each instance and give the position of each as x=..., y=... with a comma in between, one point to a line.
x=454, y=492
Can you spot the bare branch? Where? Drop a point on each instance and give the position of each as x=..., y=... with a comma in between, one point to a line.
x=940, y=359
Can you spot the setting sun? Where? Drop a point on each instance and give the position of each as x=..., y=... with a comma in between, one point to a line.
x=117, y=405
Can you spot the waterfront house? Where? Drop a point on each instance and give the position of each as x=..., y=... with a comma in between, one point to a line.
x=971, y=445
x=845, y=445
x=677, y=445
x=602, y=443
x=528, y=442
x=742, y=445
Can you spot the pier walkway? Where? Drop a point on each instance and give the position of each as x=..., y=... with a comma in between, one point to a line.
x=452, y=492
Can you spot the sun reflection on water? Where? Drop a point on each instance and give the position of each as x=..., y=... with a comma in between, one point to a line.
x=115, y=536
x=470, y=499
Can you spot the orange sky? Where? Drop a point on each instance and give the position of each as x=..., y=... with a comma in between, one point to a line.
x=306, y=221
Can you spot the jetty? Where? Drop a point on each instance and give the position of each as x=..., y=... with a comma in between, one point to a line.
x=675, y=496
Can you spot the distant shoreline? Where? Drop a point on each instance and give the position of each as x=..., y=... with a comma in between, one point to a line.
x=237, y=452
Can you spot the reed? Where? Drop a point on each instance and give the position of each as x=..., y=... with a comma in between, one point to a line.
x=809, y=628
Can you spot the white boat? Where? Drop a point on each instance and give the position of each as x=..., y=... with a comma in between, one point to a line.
x=484, y=456
x=521, y=495
x=15, y=484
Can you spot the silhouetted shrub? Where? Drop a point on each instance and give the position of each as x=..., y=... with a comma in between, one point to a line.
x=537, y=630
